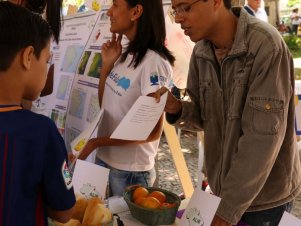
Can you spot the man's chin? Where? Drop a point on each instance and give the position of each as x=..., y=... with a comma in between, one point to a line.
x=193, y=38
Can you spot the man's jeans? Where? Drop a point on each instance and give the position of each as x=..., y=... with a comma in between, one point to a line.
x=270, y=217
x=120, y=179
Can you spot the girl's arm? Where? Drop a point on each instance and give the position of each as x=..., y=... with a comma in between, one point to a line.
x=107, y=141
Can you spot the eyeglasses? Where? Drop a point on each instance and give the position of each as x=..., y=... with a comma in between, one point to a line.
x=183, y=9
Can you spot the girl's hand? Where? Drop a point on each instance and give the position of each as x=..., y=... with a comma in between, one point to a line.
x=87, y=150
x=111, y=51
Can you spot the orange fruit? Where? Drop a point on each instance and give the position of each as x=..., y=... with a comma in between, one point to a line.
x=151, y=202
x=139, y=200
x=158, y=195
x=140, y=192
x=166, y=205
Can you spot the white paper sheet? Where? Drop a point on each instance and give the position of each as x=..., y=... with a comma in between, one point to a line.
x=289, y=220
x=117, y=204
x=298, y=114
x=78, y=144
x=141, y=119
x=89, y=179
x=200, y=209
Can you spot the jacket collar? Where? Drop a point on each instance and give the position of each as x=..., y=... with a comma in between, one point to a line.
x=204, y=47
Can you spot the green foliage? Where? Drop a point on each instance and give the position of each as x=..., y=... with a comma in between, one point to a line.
x=293, y=42
x=292, y=3
x=297, y=73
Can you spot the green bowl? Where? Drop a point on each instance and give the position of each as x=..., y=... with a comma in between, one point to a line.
x=153, y=216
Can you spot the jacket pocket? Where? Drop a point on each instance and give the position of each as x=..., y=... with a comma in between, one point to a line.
x=205, y=99
x=237, y=98
x=267, y=115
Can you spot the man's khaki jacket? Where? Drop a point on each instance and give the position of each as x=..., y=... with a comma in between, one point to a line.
x=246, y=108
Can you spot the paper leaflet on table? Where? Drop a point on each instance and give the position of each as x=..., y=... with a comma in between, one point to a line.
x=89, y=179
x=141, y=119
x=298, y=114
x=200, y=209
x=78, y=144
x=289, y=220
x=117, y=204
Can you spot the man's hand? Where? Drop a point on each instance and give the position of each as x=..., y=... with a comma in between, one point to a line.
x=173, y=105
x=217, y=221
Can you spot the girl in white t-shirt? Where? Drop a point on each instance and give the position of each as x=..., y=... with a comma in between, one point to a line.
x=143, y=67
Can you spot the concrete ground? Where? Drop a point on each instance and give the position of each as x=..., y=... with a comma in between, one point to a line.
x=297, y=62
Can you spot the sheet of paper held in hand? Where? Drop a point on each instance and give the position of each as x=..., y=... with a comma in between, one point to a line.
x=298, y=114
x=141, y=119
x=78, y=144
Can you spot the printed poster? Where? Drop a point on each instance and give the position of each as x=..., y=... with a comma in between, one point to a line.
x=181, y=46
x=65, y=57
x=78, y=144
x=83, y=106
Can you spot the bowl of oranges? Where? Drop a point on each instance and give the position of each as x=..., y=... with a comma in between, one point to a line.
x=151, y=205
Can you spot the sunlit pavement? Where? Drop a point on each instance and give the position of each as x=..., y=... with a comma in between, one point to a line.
x=297, y=62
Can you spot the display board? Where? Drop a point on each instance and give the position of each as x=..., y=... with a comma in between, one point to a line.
x=83, y=102
x=65, y=56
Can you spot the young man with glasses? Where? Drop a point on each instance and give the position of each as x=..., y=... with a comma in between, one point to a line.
x=241, y=86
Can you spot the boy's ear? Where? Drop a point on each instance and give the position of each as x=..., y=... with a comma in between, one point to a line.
x=137, y=12
x=217, y=3
x=18, y=2
x=27, y=57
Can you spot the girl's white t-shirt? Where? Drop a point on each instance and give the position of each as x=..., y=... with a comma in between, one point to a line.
x=123, y=86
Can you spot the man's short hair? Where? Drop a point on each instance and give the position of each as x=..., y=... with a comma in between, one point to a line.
x=20, y=28
x=227, y=4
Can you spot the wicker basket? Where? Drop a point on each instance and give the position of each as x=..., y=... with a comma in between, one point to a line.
x=153, y=216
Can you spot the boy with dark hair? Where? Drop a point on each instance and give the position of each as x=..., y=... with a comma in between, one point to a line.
x=35, y=180
x=51, y=8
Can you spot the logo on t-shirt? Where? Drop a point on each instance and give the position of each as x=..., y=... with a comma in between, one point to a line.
x=154, y=79
x=121, y=81
x=124, y=83
x=66, y=175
